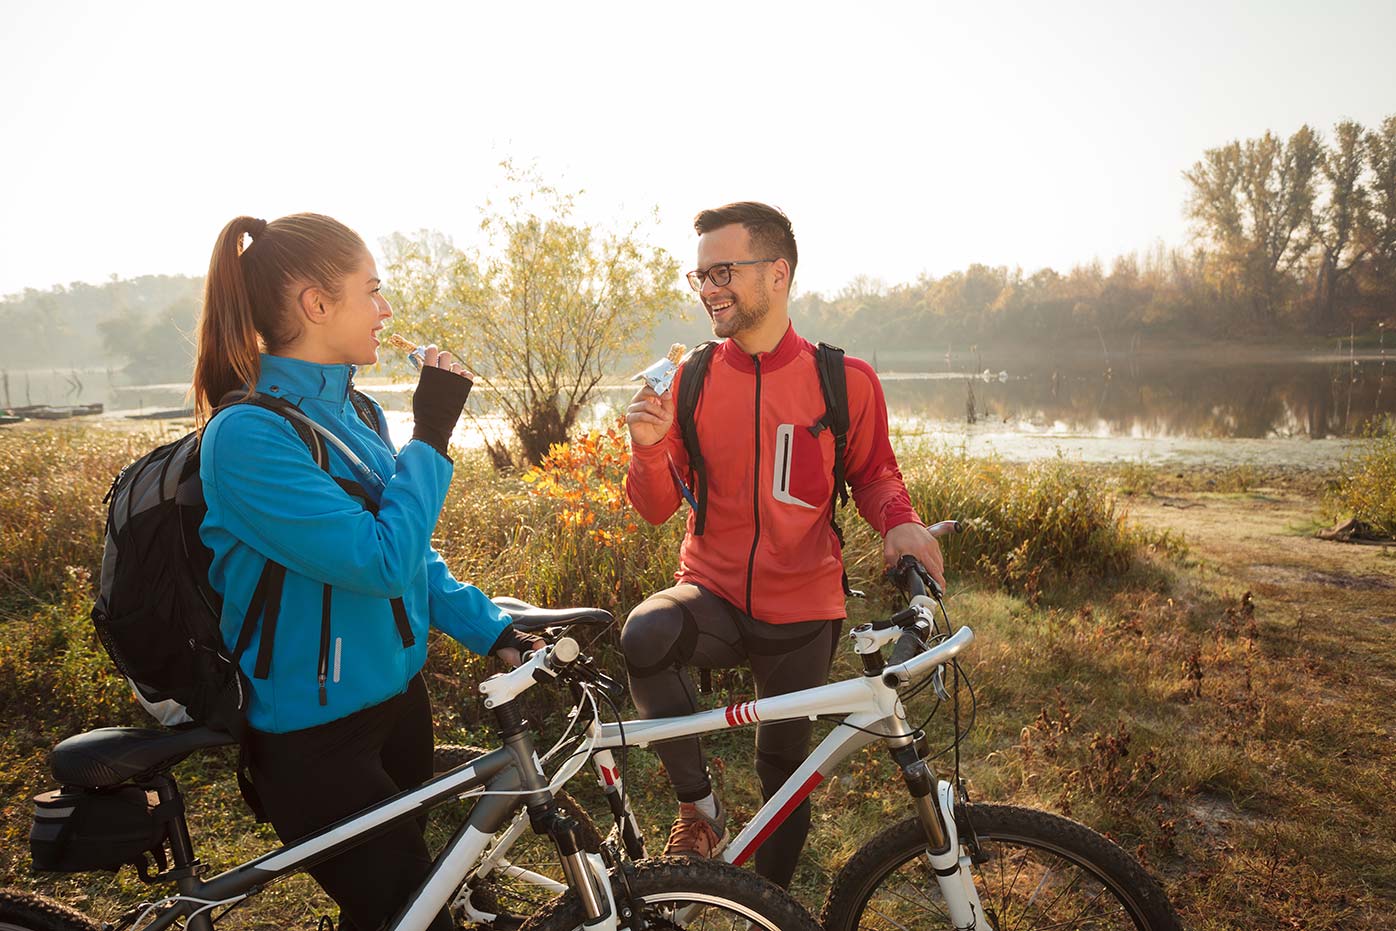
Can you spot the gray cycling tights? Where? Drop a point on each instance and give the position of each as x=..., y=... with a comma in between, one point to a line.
x=688, y=626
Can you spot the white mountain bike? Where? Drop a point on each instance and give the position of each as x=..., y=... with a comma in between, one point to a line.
x=120, y=804
x=953, y=865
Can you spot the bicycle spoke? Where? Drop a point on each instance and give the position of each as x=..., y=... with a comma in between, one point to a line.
x=890, y=920
x=1074, y=918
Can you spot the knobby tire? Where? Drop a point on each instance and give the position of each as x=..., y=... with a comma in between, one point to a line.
x=1043, y=871
x=26, y=911
x=731, y=899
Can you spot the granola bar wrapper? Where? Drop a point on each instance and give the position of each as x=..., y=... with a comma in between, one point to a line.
x=660, y=375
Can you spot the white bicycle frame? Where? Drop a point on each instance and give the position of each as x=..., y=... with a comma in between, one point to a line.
x=871, y=710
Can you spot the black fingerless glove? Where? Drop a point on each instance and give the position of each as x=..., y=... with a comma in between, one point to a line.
x=436, y=406
x=509, y=637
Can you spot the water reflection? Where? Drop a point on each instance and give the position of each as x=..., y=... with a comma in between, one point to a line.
x=1158, y=399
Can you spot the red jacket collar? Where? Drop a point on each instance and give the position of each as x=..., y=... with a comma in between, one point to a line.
x=786, y=351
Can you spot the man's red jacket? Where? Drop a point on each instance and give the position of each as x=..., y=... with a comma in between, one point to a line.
x=768, y=546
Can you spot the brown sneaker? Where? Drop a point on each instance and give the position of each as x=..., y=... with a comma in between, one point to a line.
x=694, y=834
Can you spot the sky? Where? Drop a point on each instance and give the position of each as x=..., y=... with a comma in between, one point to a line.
x=901, y=138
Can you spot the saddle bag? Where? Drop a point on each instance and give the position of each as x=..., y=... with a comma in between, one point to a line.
x=76, y=830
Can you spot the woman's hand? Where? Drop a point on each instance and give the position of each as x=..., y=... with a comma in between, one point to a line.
x=512, y=645
x=442, y=388
x=513, y=656
x=442, y=359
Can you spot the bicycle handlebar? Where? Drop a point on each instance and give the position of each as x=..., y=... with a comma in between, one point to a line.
x=914, y=668
x=538, y=666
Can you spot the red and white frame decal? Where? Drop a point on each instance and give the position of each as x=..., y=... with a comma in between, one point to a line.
x=776, y=820
x=609, y=775
x=742, y=713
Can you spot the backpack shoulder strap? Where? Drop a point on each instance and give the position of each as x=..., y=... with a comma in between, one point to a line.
x=308, y=436
x=695, y=373
x=833, y=382
x=266, y=598
x=367, y=410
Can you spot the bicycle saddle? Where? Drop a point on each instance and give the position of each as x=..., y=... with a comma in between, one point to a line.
x=531, y=618
x=110, y=756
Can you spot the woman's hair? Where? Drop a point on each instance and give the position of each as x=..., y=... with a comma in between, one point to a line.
x=249, y=294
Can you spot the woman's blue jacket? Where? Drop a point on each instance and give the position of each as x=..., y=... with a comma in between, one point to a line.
x=267, y=499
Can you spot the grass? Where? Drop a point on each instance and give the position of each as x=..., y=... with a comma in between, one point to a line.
x=1213, y=725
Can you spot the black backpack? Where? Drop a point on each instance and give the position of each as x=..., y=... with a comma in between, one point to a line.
x=833, y=384
x=155, y=612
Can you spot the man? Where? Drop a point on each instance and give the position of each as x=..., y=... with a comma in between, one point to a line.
x=763, y=582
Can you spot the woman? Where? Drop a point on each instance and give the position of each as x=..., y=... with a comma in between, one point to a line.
x=339, y=717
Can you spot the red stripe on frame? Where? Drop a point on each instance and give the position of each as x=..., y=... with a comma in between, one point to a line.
x=752, y=712
x=800, y=795
x=731, y=715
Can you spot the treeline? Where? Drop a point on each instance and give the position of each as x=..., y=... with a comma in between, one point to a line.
x=144, y=324
x=1295, y=240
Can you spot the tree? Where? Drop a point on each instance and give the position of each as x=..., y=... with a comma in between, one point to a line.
x=1338, y=222
x=1255, y=202
x=543, y=312
x=1378, y=234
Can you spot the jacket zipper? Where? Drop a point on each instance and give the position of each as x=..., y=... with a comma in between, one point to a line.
x=322, y=671
x=755, y=492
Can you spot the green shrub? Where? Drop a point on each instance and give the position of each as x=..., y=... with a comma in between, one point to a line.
x=1367, y=488
x=1028, y=524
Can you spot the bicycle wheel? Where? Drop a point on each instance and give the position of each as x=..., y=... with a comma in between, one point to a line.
x=681, y=892
x=1039, y=871
x=25, y=911
x=510, y=891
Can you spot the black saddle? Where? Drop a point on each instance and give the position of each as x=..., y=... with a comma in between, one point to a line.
x=532, y=619
x=110, y=756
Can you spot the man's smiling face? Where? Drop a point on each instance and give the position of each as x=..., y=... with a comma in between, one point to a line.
x=739, y=306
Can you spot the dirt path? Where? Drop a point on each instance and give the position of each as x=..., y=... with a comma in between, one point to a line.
x=1263, y=542
x=1320, y=738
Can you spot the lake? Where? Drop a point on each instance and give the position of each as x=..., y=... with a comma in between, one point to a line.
x=1273, y=409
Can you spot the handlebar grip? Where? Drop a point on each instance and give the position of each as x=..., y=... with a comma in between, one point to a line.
x=564, y=652
x=909, y=644
x=945, y=527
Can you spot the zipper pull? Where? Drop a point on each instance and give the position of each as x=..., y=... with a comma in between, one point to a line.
x=324, y=698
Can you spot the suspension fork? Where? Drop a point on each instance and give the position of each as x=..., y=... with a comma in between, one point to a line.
x=586, y=876
x=935, y=809
x=609, y=779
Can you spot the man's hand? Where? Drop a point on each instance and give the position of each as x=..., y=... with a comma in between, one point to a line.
x=649, y=416
x=913, y=539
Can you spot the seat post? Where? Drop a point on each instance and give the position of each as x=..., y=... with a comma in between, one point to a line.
x=185, y=866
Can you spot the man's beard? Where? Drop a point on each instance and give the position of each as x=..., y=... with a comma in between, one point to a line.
x=743, y=316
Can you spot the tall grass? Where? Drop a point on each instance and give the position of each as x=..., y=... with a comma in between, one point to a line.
x=51, y=511
x=563, y=534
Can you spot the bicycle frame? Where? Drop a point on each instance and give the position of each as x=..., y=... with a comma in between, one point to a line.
x=506, y=770
x=869, y=704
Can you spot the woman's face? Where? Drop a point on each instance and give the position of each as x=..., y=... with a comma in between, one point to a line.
x=358, y=315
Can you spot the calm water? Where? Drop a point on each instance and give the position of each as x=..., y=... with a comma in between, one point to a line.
x=1303, y=412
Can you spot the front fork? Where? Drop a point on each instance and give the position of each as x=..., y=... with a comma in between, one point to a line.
x=608, y=778
x=585, y=873
x=951, y=863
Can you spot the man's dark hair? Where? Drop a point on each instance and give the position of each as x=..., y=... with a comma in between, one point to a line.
x=769, y=228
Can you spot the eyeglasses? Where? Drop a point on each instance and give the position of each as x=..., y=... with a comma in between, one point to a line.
x=720, y=274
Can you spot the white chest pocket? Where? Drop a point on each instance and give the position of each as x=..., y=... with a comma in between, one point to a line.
x=790, y=462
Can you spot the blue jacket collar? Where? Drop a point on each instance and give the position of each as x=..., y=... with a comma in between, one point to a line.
x=283, y=376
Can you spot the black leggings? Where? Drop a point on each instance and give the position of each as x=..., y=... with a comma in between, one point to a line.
x=311, y=778
x=688, y=626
